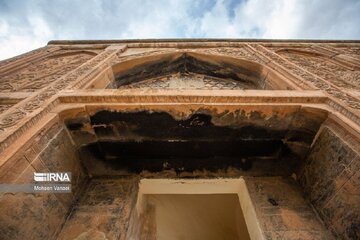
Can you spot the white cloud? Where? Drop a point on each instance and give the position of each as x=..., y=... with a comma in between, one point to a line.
x=25, y=25
x=4, y=28
x=217, y=23
x=284, y=19
x=40, y=28
x=14, y=40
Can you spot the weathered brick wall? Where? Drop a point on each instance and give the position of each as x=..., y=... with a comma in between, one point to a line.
x=331, y=181
x=282, y=211
x=39, y=216
x=103, y=211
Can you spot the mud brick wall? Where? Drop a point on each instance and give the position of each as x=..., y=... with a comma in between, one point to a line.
x=330, y=178
x=103, y=211
x=282, y=211
x=39, y=216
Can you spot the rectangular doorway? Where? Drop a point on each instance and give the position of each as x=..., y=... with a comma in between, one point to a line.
x=211, y=209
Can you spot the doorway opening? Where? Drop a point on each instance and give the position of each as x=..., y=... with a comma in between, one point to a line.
x=194, y=209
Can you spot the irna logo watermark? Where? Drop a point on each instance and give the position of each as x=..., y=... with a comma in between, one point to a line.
x=52, y=177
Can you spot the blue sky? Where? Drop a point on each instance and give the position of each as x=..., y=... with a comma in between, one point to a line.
x=29, y=24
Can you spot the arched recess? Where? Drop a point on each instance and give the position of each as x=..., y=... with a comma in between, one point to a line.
x=260, y=139
x=191, y=70
x=341, y=74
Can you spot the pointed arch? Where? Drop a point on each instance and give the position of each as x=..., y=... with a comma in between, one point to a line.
x=242, y=73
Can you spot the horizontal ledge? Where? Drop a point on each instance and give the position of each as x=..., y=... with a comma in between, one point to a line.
x=187, y=92
x=199, y=96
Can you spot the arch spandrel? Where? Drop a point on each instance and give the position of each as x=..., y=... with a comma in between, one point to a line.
x=39, y=74
x=336, y=72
